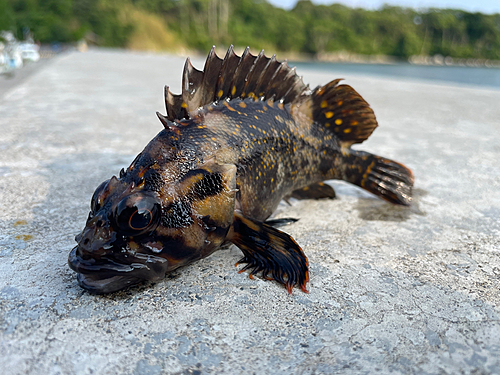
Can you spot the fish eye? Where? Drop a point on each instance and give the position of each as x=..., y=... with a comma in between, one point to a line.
x=137, y=214
x=95, y=204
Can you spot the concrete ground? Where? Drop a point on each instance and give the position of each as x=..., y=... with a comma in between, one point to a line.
x=393, y=290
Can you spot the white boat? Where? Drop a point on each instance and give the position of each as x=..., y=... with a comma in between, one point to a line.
x=29, y=51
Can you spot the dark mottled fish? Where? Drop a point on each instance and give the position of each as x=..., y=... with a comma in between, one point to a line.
x=245, y=133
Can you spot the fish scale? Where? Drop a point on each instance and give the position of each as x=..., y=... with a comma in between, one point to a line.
x=244, y=134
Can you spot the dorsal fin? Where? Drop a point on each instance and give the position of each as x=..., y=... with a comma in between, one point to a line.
x=233, y=77
x=176, y=109
x=340, y=109
x=211, y=73
x=164, y=120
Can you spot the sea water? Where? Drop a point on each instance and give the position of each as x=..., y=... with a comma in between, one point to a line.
x=479, y=76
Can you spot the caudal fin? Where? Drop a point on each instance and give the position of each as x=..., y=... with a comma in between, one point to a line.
x=385, y=178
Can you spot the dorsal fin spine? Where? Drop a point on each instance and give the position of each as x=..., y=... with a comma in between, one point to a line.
x=165, y=91
x=164, y=120
x=233, y=77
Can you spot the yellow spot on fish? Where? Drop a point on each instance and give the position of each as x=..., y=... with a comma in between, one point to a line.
x=20, y=222
x=230, y=108
x=256, y=117
x=242, y=105
x=354, y=123
x=368, y=170
x=184, y=105
x=264, y=108
x=338, y=121
x=233, y=90
x=324, y=104
x=329, y=114
x=340, y=102
x=220, y=93
x=347, y=130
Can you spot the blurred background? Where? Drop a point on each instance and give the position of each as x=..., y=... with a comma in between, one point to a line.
x=426, y=32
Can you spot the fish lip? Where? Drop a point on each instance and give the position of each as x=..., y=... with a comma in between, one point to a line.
x=79, y=265
x=109, y=276
x=96, y=284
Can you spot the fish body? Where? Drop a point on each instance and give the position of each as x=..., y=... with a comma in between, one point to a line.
x=244, y=134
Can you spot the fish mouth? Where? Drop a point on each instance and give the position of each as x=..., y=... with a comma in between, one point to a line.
x=108, y=275
x=97, y=284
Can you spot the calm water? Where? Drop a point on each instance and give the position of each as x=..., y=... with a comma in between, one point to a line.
x=488, y=77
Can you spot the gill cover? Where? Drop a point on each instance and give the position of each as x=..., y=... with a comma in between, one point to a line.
x=135, y=234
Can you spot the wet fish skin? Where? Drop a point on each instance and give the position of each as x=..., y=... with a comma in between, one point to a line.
x=244, y=134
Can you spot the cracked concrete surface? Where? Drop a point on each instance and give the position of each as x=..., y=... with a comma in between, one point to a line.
x=393, y=290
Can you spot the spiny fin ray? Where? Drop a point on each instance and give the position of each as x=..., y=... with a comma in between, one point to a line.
x=233, y=77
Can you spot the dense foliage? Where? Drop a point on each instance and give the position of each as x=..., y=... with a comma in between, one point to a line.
x=307, y=28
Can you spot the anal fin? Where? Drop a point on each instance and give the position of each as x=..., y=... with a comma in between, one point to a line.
x=270, y=251
x=276, y=223
x=319, y=190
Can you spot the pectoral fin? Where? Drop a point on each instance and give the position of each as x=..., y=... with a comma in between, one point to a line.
x=271, y=251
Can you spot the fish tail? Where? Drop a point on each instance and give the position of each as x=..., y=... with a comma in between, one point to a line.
x=383, y=177
x=341, y=110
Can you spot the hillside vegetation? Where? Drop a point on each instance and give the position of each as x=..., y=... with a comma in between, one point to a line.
x=307, y=28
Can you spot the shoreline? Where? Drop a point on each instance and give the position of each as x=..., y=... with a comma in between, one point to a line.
x=9, y=81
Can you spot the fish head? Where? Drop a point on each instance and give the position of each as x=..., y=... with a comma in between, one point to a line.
x=139, y=230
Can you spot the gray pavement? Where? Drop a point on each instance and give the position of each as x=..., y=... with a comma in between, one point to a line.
x=393, y=290
x=12, y=79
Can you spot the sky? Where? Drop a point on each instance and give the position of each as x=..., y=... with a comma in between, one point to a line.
x=483, y=6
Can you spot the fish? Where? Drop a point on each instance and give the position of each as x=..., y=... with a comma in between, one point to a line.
x=244, y=134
